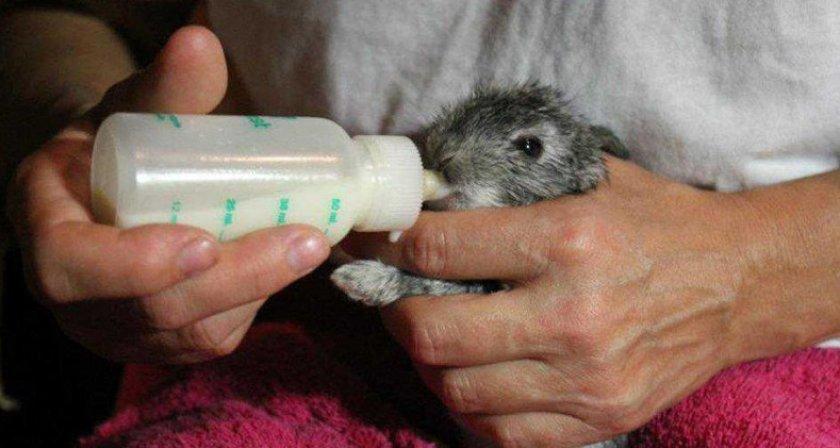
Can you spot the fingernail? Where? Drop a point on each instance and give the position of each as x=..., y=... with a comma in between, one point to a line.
x=306, y=251
x=197, y=256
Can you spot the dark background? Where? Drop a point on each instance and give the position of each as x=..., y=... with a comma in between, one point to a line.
x=63, y=389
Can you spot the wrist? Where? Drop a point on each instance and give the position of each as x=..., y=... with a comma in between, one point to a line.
x=787, y=293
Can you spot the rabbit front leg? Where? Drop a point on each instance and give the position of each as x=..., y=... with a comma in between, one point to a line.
x=374, y=283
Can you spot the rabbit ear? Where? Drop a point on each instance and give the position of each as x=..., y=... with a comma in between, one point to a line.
x=609, y=142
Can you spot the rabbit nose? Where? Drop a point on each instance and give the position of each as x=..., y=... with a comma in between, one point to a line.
x=448, y=174
x=448, y=169
x=453, y=173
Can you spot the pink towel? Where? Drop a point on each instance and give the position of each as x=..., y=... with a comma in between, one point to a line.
x=278, y=390
x=790, y=401
x=281, y=390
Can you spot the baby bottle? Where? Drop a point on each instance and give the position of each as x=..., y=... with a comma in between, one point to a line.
x=231, y=175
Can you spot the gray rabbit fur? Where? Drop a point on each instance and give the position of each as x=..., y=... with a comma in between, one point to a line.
x=502, y=146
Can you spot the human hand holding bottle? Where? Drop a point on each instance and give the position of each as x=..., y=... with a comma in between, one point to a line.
x=156, y=293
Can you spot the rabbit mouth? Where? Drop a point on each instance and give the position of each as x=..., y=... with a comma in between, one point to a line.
x=448, y=202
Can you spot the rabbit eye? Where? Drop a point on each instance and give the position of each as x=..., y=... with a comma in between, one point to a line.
x=531, y=146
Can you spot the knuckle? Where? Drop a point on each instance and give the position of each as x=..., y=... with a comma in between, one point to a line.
x=426, y=254
x=212, y=339
x=150, y=262
x=147, y=269
x=254, y=285
x=143, y=272
x=622, y=423
x=21, y=176
x=50, y=281
x=30, y=164
x=587, y=336
x=581, y=238
x=227, y=346
x=264, y=282
x=53, y=291
x=259, y=276
x=458, y=393
x=510, y=436
x=581, y=340
x=158, y=313
x=507, y=431
x=426, y=343
x=626, y=414
x=618, y=409
x=617, y=413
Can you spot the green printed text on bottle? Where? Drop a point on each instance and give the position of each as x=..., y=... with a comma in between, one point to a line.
x=283, y=210
x=335, y=206
x=227, y=220
x=169, y=118
x=258, y=122
x=174, y=210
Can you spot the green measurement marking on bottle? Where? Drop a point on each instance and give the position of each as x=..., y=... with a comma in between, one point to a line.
x=174, y=209
x=335, y=206
x=172, y=119
x=282, y=211
x=227, y=220
x=258, y=122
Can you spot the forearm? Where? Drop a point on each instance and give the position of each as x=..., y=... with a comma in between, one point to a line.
x=790, y=292
x=54, y=65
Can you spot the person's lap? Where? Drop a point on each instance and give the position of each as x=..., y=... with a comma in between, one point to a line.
x=308, y=351
x=349, y=346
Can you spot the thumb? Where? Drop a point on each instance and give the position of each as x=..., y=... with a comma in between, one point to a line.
x=189, y=75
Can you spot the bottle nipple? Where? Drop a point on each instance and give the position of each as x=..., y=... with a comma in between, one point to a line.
x=434, y=186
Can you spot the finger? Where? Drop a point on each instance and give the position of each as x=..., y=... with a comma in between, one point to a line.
x=79, y=260
x=189, y=75
x=51, y=186
x=503, y=243
x=254, y=266
x=212, y=337
x=74, y=258
x=464, y=330
x=233, y=341
x=209, y=338
x=523, y=385
x=534, y=429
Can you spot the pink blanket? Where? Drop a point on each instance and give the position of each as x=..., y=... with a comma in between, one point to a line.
x=281, y=390
x=277, y=390
x=790, y=401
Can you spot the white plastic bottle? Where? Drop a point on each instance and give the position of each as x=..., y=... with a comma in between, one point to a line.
x=231, y=175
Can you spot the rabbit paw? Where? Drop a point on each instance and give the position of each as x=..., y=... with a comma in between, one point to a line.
x=369, y=282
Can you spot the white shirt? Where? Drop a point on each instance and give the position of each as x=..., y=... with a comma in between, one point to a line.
x=727, y=95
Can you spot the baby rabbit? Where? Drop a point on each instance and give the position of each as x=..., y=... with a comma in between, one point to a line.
x=502, y=146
